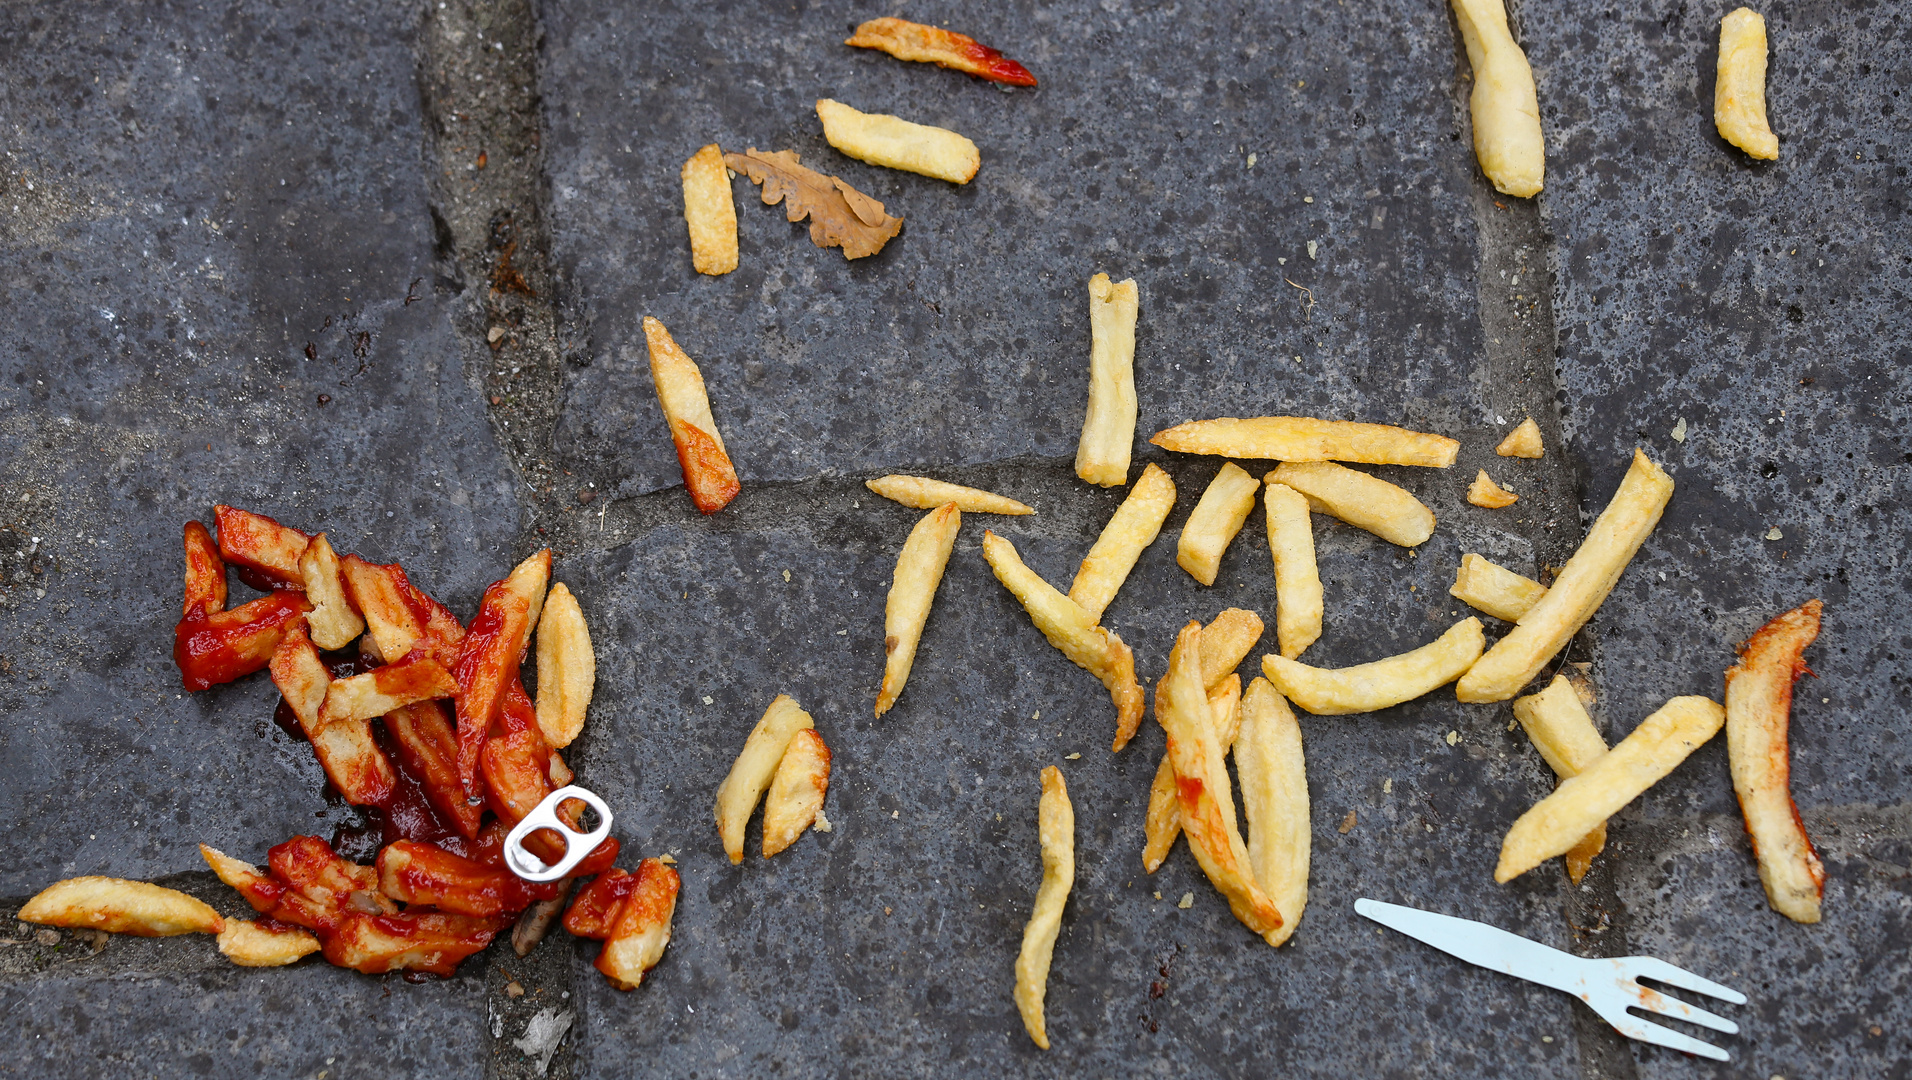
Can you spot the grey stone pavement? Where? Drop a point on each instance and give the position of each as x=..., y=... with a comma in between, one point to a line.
x=191, y=195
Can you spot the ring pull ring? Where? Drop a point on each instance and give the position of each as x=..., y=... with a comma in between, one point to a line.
x=577, y=845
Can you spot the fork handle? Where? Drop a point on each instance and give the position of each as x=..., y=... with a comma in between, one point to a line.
x=1482, y=945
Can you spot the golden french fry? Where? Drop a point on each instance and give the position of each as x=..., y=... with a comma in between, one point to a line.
x=796, y=792
x=1074, y=631
x=1377, y=685
x=1363, y=501
x=1495, y=589
x=1579, y=589
x=1758, y=712
x=1505, y=105
x=1108, y=427
x=248, y=944
x=1055, y=831
x=120, y=907
x=919, y=570
x=1163, y=821
x=925, y=494
x=1274, y=798
x=754, y=768
x=642, y=928
x=333, y=622
x=1225, y=643
x=1202, y=787
x=1484, y=492
x=1739, y=90
x=709, y=476
x=1560, y=728
x=1220, y=514
x=567, y=667
x=1580, y=804
x=1224, y=705
x=1297, y=580
x=385, y=689
x=1134, y=526
x=895, y=143
x=1304, y=438
x=710, y=212
x=1522, y=442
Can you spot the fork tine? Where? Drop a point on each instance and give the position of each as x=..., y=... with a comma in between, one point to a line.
x=1652, y=967
x=1635, y=1028
x=1653, y=1001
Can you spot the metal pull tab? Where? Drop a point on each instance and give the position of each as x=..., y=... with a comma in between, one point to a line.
x=577, y=845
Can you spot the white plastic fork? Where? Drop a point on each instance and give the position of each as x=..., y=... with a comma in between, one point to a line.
x=1609, y=987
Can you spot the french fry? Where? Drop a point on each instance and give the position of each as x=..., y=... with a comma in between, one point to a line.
x=231, y=644
x=413, y=872
x=709, y=212
x=1363, y=501
x=265, y=551
x=594, y=912
x=796, y=791
x=386, y=689
x=1578, y=590
x=333, y=621
x=925, y=494
x=1055, y=831
x=1304, y=438
x=493, y=649
x=1223, y=509
x=249, y=944
x=383, y=597
x=1226, y=641
x=1201, y=780
x=1505, y=106
x=1224, y=705
x=1564, y=734
x=1484, y=492
x=1758, y=712
x=1134, y=526
x=427, y=745
x=754, y=768
x=1071, y=629
x=1580, y=804
x=1522, y=442
x=709, y=476
x=1495, y=589
x=308, y=885
x=1298, y=604
x=1274, y=798
x=1108, y=427
x=567, y=667
x=643, y=926
x=1162, y=822
x=919, y=570
x=1739, y=90
x=418, y=940
x=205, y=572
x=945, y=48
x=120, y=907
x=345, y=747
x=1377, y=685
x=895, y=143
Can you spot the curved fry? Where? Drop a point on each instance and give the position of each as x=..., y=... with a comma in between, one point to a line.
x=1377, y=685
x=1056, y=829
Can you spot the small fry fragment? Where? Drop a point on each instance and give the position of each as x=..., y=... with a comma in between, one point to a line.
x=709, y=212
x=205, y=572
x=249, y=944
x=1304, y=438
x=1274, y=799
x=1505, y=105
x=895, y=143
x=945, y=48
x=1223, y=509
x=1226, y=641
x=120, y=907
x=709, y=476
x=1739, y=90
x=1579, y=589
x=492, y=652
x=1363, y=501
x=1072, y=630
x=1108, y=427
x=567, y=667
x=796, y=791
x=1162, y=823
x=594, y=911
x=754, y=769
x=1495, y=589
x=333, y=621
x=1758, y=712
x=1522, y=442
x=1297, y=580
x=1484, y=492
x=1224, y=705
x=1132, y=528
x=643, y=926
x=1564, y=734
x=926, y=494
x=919, y=571
x=1377, y=685
x=1558, y=822
x=386, y=689
x=1055, y=831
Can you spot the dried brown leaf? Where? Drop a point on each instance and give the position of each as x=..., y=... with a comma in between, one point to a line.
x=840, y=215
